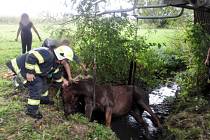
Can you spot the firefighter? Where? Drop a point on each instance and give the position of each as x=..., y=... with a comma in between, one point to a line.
x=51, y=43
x=33, y=68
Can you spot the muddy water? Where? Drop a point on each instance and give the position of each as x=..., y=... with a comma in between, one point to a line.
x=126, y=128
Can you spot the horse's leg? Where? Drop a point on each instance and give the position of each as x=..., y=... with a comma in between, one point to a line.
x=155, y=119
x=88, y=108
x=139, y=119
x=108, y=116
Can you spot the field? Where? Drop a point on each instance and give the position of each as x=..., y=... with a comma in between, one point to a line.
x=15, y=125
x=158, y=35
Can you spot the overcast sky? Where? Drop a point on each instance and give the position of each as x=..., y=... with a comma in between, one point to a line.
x=39, y=7
x=32, y=7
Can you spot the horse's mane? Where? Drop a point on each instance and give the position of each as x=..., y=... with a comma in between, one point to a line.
x=83, y=77
x=80, y=79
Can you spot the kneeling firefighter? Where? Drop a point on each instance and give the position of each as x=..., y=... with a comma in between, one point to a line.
x=33, y=68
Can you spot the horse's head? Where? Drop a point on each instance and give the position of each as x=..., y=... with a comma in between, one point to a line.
x=82, y=86
x=74, y=93
x=69, y=101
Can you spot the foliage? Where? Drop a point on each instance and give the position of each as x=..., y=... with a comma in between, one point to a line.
x=109, y=40
x=190, y=104
x=159, y=62
x=188, y=125
x=107, y=46
x=61, y=31
x=162, y=12
x=9, y=20
x=190, y=133
x=113, y=43
x=189, y=119
x=193, y=80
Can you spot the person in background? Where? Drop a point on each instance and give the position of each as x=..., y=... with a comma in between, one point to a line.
x=24, y=29
x=32, y=69
x=207, y=64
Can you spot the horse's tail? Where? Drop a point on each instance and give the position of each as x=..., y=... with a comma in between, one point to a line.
x=142, y=99
x=140, y=94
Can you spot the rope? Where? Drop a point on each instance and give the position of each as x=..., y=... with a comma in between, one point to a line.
x=94, y=77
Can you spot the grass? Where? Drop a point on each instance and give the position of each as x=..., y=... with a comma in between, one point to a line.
x=9, y=48
x=15, y=125
x=159, y=35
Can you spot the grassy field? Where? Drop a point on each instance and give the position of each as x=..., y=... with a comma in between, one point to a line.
x=158, y=35
x=9, y=48
x=15, y=125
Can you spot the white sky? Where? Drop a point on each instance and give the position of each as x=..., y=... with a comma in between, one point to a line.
x=37, y=8
x=32, y=7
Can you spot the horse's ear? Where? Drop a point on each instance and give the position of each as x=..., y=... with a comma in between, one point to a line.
x=89, y=77
x=83, y=77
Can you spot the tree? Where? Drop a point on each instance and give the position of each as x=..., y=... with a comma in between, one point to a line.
x=202, y=16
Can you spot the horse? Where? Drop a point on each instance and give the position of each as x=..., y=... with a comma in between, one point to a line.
x=113, y=100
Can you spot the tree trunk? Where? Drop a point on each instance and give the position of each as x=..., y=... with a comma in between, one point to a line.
x=202, y=16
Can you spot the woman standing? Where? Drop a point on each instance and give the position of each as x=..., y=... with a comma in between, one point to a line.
x=25, y=26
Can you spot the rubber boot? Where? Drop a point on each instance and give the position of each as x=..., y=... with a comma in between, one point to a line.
x=32, y=111
x=46, y=100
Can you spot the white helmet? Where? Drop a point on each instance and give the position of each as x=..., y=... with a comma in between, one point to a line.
x=64, y=52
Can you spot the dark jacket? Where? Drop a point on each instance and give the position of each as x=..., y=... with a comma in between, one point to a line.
x=40, y=62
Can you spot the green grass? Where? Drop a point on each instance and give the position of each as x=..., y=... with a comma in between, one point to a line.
x=15, y=125
x=159, y=35
x=9, y=48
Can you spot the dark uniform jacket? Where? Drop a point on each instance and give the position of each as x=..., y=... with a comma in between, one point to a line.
x=40, y=62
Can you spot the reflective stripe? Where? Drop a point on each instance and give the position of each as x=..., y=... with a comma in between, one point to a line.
x=59, y=80
x=15, y=66
x=19, y=79
x=57, y=70
x=29, y=66
x=37, y=69
x=45, y=94
x=33, y=67
x=38, y=56
x=33, y=102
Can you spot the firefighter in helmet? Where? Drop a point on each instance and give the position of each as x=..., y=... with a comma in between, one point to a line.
x=51, y=43
x=32, y=69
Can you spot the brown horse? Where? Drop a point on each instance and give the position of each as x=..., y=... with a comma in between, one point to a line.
x=113, y=100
